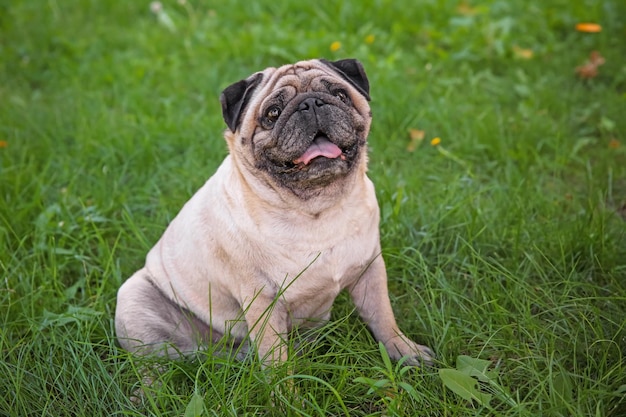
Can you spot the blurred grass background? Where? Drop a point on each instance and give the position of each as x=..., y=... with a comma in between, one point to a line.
x=506, y=241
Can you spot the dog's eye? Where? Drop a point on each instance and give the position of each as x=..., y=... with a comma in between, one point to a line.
x=272, y=113
x=341, y=95
x=270, y=116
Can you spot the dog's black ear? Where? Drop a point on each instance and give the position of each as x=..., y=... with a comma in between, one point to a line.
x=235, y=97
x=353, y=72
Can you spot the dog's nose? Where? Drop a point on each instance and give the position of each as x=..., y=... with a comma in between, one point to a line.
x=310, y=103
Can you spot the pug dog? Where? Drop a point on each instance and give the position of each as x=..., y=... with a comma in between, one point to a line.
x=288, y=221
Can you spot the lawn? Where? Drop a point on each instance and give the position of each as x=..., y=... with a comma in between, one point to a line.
x=500, y=171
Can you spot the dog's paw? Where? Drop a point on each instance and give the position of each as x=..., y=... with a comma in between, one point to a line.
x=424, y=356
x=415, y=354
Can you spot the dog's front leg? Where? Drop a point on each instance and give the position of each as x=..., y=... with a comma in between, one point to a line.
x=268, y=326
x=371, y=298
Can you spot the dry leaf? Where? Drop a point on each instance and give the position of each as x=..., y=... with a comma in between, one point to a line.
x=614, y=143
x=416, y=137
x=465, y=9
x=522, y=53
x=590, y=68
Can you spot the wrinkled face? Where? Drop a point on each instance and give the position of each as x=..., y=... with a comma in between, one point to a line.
x=305, y=126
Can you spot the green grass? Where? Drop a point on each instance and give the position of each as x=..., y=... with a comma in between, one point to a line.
x=507, y=242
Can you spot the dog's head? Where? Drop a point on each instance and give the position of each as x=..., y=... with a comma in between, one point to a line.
x=302, y=127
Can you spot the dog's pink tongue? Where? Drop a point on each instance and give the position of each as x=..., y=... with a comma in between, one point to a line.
x=320, y=147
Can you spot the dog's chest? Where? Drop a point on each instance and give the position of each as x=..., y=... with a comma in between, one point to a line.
x=310, y=280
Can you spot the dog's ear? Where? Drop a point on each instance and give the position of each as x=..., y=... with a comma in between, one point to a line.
x=235, y=97
x=352, y=71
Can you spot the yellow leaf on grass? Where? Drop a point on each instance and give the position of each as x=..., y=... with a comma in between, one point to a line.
x=416, y=137
x=522, y=53
x=588, y=27
x=465, y=9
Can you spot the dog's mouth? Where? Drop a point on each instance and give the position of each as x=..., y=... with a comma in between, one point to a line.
x=321, y=147
x=323, y=157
